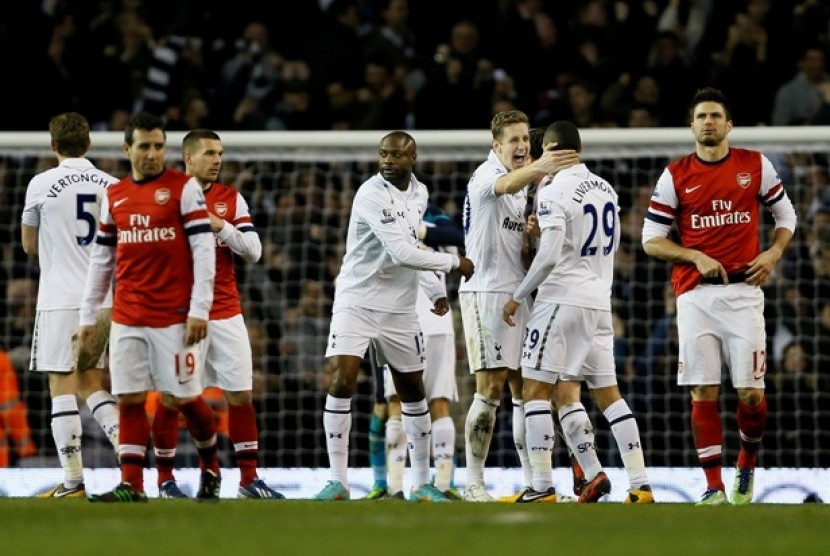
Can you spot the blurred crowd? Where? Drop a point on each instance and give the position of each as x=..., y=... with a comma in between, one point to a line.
x=412, y=64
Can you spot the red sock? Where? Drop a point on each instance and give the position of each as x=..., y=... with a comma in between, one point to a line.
x=244, y=437
x=708, y=433
x=133, y=435
x=165, y=440
x=751, y=424
x=202, y=426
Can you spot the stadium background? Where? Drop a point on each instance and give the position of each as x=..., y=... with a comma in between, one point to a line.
x=300, y=188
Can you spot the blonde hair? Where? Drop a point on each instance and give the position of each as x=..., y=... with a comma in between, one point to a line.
x=503, y=119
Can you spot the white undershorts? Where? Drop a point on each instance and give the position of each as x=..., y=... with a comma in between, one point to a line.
x=439, y=375
x=565, y=342
x=491, y=342
x=226, y=355
x=53, y=342
x=397, y=337
x=144, y=359
x=721, y=325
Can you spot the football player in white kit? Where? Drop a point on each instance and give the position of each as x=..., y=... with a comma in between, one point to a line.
x=494, y=223
x=374, y=301
x=59, y=221
x=569, y=337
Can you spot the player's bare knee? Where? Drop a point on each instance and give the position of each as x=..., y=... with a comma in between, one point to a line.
x=490, y=383
x=751, y=396
x=536, y=390
x=704, y=393
x=242, y=397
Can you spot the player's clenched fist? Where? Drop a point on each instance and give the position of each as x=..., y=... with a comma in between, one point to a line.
x=465, y=268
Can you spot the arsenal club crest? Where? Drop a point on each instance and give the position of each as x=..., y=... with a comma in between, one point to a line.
x=221, y=209
x=744, y=179
x=162, y=196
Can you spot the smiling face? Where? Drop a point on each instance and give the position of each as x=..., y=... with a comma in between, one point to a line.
x=513, y=146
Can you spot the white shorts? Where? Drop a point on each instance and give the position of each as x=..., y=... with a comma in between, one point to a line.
x=564, y=342
x=397, y=337
x=491, y=342
x=54, y=345
x=144, y=359
x=226, y=355
x=721, y=325
x=439, y=375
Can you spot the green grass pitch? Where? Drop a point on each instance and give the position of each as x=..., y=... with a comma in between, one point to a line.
x=365, y=528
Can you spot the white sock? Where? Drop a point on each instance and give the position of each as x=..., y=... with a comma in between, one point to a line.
x=519, y=439
x=104, y=409
x=418, y=427
x=578, y=429
x=627, y=435
x=67, y=432
x=478, y=432
x=395, y=454
x=443, y=451
x=540, y=442
x=337, y=422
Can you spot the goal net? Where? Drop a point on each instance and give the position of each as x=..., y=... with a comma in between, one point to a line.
x=299, y=187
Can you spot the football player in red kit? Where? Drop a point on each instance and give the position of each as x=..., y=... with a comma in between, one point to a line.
x=154, y=236
x=713, y=196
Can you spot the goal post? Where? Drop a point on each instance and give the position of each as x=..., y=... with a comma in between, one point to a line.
x=299, y=186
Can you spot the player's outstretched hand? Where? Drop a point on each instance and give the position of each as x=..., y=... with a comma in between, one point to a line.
x=466, y=268
x=553, y=160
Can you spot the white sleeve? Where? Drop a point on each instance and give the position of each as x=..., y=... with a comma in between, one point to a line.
x=202, y=249
x=101, y=267
x=661, y=209
x=775, y=198
x=241, y=236
x=432, y=285
x=31, y=208
x=550, y=249
x=381, y=219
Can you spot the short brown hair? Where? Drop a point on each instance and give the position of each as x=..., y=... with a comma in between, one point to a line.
x=710, y=94
x=70, y=134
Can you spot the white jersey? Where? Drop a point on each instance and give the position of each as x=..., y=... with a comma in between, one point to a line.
x=493, y=231
x=382, y=250
x=64, y=203
x=586, y=206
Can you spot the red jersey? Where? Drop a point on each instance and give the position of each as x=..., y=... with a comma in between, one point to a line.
x=226, y=203
x=715, y=206
x=154, y=225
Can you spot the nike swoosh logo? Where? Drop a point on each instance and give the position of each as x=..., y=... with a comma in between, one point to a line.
x=65, y=493
x=531, y=496
x=690, y=189
x=119, y=201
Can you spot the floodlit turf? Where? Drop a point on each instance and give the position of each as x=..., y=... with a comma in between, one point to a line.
x=299, y=527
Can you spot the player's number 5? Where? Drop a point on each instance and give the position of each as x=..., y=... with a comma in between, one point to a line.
x=83, y=214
